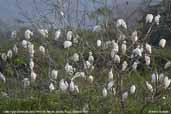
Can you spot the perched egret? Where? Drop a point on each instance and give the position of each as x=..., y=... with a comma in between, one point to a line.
x=157, y=19
x=110, y=85
x=124, y=96
x=9, y=54
x=51, y=87
x=67, y=44
x=147, y=60
x=24, y=44
x=135, y=65
x=54, y=74
x=167, y=82
x=33, y=75
x=121, y=23
x=104, y=92
x=69, y=35
x=132, y=89
x=115, y=46
x=42, y=49
x=91, y=58
x=167, y=65
x=134, y=37
x=15, y=49
x=148, y=48
x=90, y=79
x=123, y=47
x=161, y=77
x=110, y=75
x=117, y=59
x=2, y=77
x=162, y=43
x=63, y=85
x=43, y=32
x=69, y=69
x=149, y=18
x=13, y=34
x=154, y=77
x=57, y=34
x=124, y=65
x=72, y=86
x=99, y=43
x=137, y=52
x=28, y=34
x=31, y=64
x=75, y=57
x=149, y=86
x=4, y=56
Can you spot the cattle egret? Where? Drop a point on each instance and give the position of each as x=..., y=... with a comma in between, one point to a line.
x=99, y=43
x=137, y=52
x=148, y=48
x=75, y=57
x=154, y=77
x=110, y=85
x=2, y=77
x=104, y=92
x=149, y=86
x=67, y=44
x=76, y=39
x=51, y=87
x=33, y=75
x=15, y=49
x=72, y=86
x=90, y=79
x=124, y=65
x=24, y=44
x=31, y=64
x=134, y=66
x=134, y=37
x=162, y=43
x=43, y=32
x=123, y=47
x=9, y=54
x=167, y=65
x=4, y=57
x=117, y=59
x=110, y=74
x=91, y=58
x=167, y=82
x=69, y=35
x=87, y=65
x=63, y=85
x=54, y=74
x=69, y=69
x=132, y=89
x=28, y=34
x=157, y=19
x=115, y=46
x=13, y=34
x=149, y=18
x=42, y=49
x=161, y=77
x=57, y=34
x=124, y=96
x=76, y=88
x=147, y=60
x=121, y=23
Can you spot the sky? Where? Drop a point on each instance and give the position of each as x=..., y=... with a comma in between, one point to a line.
x=9, y=10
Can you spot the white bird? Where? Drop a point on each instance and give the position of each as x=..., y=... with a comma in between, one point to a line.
x=75, y=57
x=110, y=85
x=54, y=74
x=33, y=75
x=123, y=48
x=72, y=86
x=24, y=44
x=91, y=58
x=15, y=49
x=76, y=39
x=9, y=54
x=154, y=77
x=63, y=85
x=51, y=87
x=167, y=82
x=26, y=82
x=90, y=79
x=57, y=34
x=167, y=65
x=147, y=60
x=13, y=34
x=110, y=74
x=157, y=19
x=149, y=86
x=134, y=37
x=135, y=65
x=162, y=43
x=28, y=34
x=161, y=76
x=117, y=59
x=62, y=13
x=87, y=65
x=124, y=65
x=104, y=92
x=69, y=35
x=148, y=48
x=4, y=56
x=137, y=52
x=97, y=28
x=43, y=32
x=67, y=44
x=121, y=23
x=2, y=77
x=132, y=89
x=78, y=74
x=76, y=88
x=69, y=69
x=124, y=96
x=115, y=46
x=31, y=49
x=31, y=64
x=99, y=43
x=149, y=18
x=42, y=49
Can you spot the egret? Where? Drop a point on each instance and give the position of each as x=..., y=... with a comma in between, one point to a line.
x=134, y=37
x=63, y=85
x=51, y=87
x=123, y=48
x=72, y=86
x=149, y=18
x=54, y=74
x=42, y=49
x=99, y=43
x=148, y=48
x=110, y=74
x=69, y=35
x=149, y=86
x=117, y=59
x=154, y=77
x=121, y=23
x=104, y=92
x=162, y=43
x=137, y=52
x=31, y=64
x=167, y=82
x=110, y=85
x=115, y=46
x=2, y=77
x=90, y=79
x=13, y=34
x=28, y=34
x=15, y=49
x=24, y=44
x=132, y=89
x=124, y=65
x=134, y=66
x=33, y=75
x=161, y=76
x=43, y=32
x=69, y=69
x=67, y=44
x=4, y=56
x=167, y=65
x=157, y=19
x=124, y=96
x=91, y=58
x=75, y=57
x=147, y=60
x=57, y=34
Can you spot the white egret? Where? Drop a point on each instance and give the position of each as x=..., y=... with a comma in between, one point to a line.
x=167, y=82
x=69, y=35
x=149, y=86
x=104, y=92
x=149, y=18
x=121, y=23
x=162, y=43
x=67, y=44
x=132, y=89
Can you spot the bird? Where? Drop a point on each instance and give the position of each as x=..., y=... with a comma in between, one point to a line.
x=167, y=65
x=63, y=85
x=117, y=59
x=162, y=43
x=99, y=43
x=123, y=48
x=149, y=86
x=67, y=44
x=31, y=64
x=121, y=23
x=124, y=65
x=15, y=49
x=57, y=34
x=69, y=35
x=134, y=66
x=154, y=77
x=148, y=48
x=110, y=85
x=87, y=65
x=132, y=89
x=9, y=54
x=69, y=69
x=33, y=75
x=4, y=56
x=91, y=58
x=134, y=37
x=72, y=86
x=54, y=74
x=157, y=19
x=13, y=34
x=161, y=77
x=115, y=46
x=110, y=74
x=104, y=92
x=51, y=87
x=90, y=78
x=137, y=52
x=24, y=44
x=147, y=60
x=43, y=32
x=28, y=34
x=124, y=96
x=2, y=77
x=75, y=57
x=149, y=18
x=42, y=49
x=167, y=82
